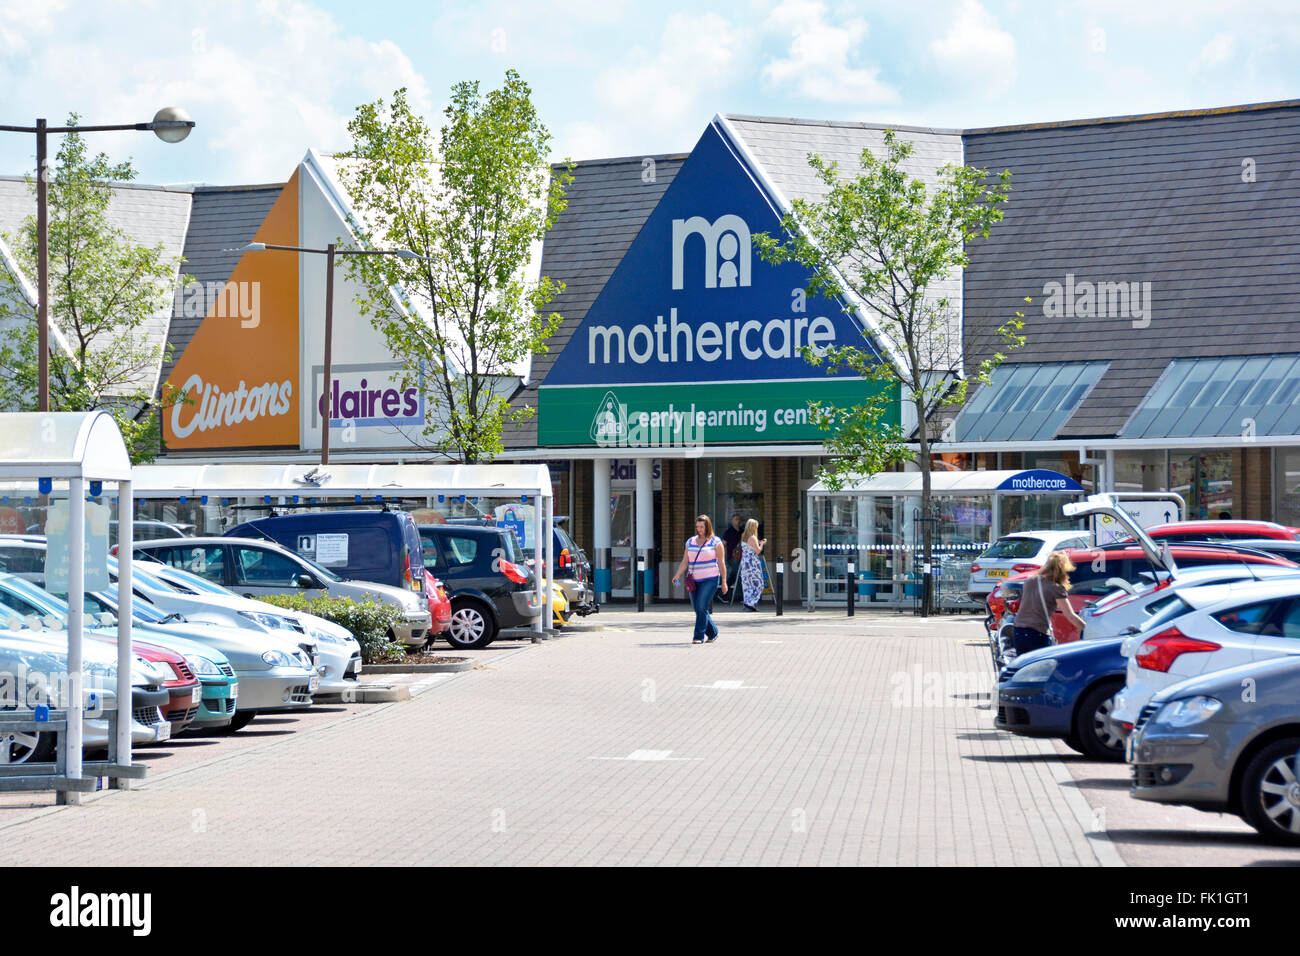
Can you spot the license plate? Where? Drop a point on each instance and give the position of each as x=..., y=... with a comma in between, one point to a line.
x=234, y=691
x=196, y=695
x=162, y=731
x=998, y=573
x=313, y=684
x=356, y=668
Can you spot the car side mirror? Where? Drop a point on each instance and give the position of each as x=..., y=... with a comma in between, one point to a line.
x=306, y=581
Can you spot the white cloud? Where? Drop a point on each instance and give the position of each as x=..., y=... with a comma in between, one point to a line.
x=1218, y=51
x=263, y=80
x=975, y=50
x=818, y=64
x=697, y=54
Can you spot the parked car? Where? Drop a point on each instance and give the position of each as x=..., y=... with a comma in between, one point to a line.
x=1206, y=743
x=338, y=652
x=1019, y=553
x=1065, y=692
x=439, y=605
x=572, y=571
x=483, y=569
x=1096, y=570
x=382, y=547
x=1208, y=628
x=1222, y=530
x=252, y=568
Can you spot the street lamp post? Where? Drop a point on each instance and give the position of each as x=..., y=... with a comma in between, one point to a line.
x=330, y=252
x=170, y=124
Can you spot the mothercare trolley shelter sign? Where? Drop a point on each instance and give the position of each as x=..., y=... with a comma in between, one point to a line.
x=694, y=339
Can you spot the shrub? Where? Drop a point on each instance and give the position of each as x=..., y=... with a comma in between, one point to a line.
x=369, y=622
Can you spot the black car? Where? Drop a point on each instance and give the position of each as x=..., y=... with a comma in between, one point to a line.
x=484, y=573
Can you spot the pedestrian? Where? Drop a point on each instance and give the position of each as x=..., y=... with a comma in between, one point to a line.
x=1043, y=593
x=704, y=565
x=751, y=569
x=731, y=540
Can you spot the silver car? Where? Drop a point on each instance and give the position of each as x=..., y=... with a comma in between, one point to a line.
x=1228, y=741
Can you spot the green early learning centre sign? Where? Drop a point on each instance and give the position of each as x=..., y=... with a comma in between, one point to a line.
x=693, y=415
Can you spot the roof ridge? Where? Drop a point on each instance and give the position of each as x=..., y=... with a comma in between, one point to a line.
x=841, y=124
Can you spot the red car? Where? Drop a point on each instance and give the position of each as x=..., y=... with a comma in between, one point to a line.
x=439, y=606
x=1088, y=581
x=185, y=688
x=1224, y=530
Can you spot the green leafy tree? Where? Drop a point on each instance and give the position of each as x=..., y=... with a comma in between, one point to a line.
x=475, y=201
x=883, y=240
x=103, y=288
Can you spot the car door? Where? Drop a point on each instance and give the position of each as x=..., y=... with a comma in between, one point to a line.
x=1256, y=633
x=262, y=571
x=206, y=560
x=1282, y=635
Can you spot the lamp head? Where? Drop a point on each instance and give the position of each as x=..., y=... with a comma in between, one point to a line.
x=173, y=132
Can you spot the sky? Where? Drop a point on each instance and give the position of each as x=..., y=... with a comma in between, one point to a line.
x=267, y=79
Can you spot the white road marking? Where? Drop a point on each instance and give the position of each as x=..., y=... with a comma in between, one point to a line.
x=647, y=755
x=727, y=685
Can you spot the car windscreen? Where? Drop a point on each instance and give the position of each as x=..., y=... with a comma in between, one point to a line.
x=1009, y=548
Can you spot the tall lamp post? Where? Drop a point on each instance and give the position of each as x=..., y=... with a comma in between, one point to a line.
x=329, y=252
x=170, y=124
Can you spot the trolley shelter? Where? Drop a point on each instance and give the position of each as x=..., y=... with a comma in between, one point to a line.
x=73, y=466
x=874, y=525
x=208, y=498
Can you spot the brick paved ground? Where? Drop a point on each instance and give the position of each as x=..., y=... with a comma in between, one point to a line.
x=807, y=739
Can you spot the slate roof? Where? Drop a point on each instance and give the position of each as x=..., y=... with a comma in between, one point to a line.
x=1157, y=199
x=780, y=146
x=223, y=217
x=147, y=214
x=609, y=203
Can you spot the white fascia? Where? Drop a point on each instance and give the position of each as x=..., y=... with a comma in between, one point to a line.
x=28, y=292
x=782, y=206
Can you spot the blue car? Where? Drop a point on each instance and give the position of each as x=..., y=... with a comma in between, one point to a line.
x=1065, y=691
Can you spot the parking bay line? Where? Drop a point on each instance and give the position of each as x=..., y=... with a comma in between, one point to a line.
x=648, y=756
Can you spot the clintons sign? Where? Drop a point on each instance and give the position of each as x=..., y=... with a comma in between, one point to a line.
x=215, y=409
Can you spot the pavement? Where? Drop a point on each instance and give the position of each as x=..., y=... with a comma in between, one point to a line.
x=809, y=739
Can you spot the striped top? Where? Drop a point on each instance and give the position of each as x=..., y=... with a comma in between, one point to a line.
x=704, y=557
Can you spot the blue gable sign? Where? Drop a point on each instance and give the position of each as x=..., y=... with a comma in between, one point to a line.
x=1039, y=479
x=691, y=301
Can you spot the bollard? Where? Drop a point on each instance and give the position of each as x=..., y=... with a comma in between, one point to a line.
x=780, y=585
x=850, y=587
x=640, y=582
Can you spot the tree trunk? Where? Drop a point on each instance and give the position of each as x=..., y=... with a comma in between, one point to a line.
x=927, y=510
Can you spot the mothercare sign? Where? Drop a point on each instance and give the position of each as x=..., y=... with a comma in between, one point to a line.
x=694, y=339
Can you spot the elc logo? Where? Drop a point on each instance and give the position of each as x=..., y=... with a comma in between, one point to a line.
x=726, y=250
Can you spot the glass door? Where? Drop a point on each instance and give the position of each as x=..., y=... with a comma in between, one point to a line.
x=622, y=558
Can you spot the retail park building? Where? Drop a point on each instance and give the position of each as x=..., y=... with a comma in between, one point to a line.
x=1163, y=337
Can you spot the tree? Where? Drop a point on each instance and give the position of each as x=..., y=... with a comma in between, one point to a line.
x=103, y=288
x=883, y=240
x=475, y=202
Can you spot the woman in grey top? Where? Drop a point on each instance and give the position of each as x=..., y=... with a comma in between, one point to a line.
x=1045, y=592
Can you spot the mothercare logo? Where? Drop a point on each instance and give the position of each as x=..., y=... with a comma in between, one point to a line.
x=726, y=250
x=1099, y=300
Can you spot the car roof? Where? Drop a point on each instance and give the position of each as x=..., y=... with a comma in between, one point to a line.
x=493, y=529
x=1044, y=535
x=1220, y=524
x=1230, y=593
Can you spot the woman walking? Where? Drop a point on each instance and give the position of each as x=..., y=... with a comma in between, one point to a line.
x=1044, y=593
x=704, y=565
x=751, y=569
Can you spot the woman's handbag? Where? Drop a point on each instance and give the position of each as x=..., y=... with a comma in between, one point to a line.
x=691, y=583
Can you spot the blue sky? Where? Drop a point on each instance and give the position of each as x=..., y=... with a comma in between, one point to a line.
x=266, y=80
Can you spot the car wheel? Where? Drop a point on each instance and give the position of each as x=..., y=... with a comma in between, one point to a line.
x=1270, y=792
x=472, y=626
x=27, y=747
x=1074, y=744
x=237, y=723
x=1092, y=726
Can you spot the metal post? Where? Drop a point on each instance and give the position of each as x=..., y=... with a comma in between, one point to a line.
x=640, y=582
x=777, y=591
x=600, y=543
x=329, y=345
x=76, y=606
x=125, y=545
x=850, y=586
x=42, y=270
x=548, y=529
x=540, y=625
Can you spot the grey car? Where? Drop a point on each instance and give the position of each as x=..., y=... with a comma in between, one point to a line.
x=1228, y=741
